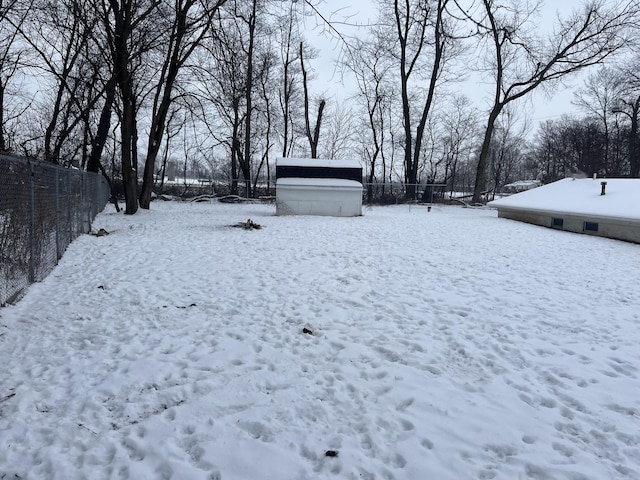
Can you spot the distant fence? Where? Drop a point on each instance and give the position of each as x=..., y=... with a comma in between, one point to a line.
x=373, y=193
x=396, y=192
x=43, y=208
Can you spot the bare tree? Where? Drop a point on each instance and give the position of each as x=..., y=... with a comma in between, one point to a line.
x=313, y=135
x=420, y=29
x=505, y=153
x=118, y=22
x=187, y=22
x=550, y=152
x=238, y=60
x=521, y=61
x=289, y=96
x=127, y=34
x=340, y=132
x=597, y=98
x=371, y=68
x=13, y=14
x=267, y=112
x=58, y=34
x=459, y=133
x=628, y=104
x=568, y=147
x=174, y=125
x=221, y=79
x=250, y=18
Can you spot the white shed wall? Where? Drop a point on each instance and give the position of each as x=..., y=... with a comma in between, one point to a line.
x=312, y=197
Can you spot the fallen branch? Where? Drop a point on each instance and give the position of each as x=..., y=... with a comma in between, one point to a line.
x=7, y=397
x=248, y=225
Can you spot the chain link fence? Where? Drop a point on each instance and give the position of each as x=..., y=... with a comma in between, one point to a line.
x=397, y=192
x=43, y=208
x=373, y=193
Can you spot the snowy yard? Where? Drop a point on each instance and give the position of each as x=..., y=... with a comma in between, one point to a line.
x=447, y=345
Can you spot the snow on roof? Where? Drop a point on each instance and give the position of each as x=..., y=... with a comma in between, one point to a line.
x=318, y=182
x=317, y=162
x=580, y=196
x=524, y=183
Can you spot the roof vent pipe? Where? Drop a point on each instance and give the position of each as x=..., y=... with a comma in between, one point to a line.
x=604, y=185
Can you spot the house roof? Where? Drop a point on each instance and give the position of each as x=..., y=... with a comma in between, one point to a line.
x=318, y=182
x=317, y=162
x=524, y=183
x=580, y=196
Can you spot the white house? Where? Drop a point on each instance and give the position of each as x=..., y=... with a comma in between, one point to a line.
x=318, y=187
x=607, y=207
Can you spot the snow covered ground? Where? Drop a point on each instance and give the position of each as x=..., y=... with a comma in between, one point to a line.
x=444, y=345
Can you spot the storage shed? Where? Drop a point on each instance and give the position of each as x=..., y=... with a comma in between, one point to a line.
x=307, y=186
x=606, y=207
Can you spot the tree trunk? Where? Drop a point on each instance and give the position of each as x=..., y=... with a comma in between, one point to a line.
x=121, y=63
x=129, y=174
x=249, y=101
x=93, y=165
x=410, y=175
x=633, y=141
x=48, y=134
x=112, y=191
x=3, y=145
x=235, y=148
x=314, y=136
x=481, y=175
x=316, y=130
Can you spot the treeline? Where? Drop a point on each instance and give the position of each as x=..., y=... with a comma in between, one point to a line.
x=603, y=141
x=127, y=86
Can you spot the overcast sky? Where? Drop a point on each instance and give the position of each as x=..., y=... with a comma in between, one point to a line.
x=539, y=106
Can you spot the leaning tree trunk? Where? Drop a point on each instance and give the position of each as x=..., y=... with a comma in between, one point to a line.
x=93, y=165
x=634, y=161
x=481, y=170
x=129, y=174
x=316, y=130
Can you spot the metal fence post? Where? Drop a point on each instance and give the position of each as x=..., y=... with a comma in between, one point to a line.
x=87, y=202
x=58, y=250
x=32, y=222
x=67, y=177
